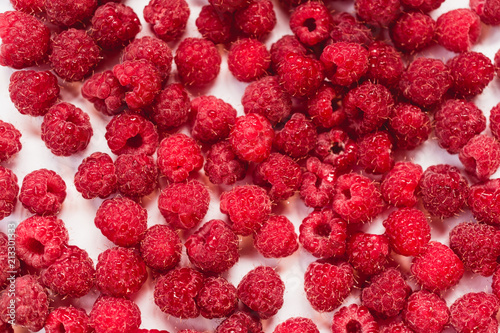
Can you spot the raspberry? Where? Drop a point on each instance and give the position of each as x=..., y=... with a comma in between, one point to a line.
x=248, y=59
x=175, y=292
x=345, y=63
x=143, y=330
x=488, y=11
x=443, y=190
x=471, y=73
x=377, y=13
x=67, y=14
x=213, y=119
x=296, y=324
x=346, y=28
x=161, y=247
x=131, y=133
x=178, y=156
x=458, y=30
x=368, y=106
x=375, y=153
x=153, y=50
x=262, y=290
x=43, y=192
x=31, y=303
x=424, y=6
x=9, y=191
x=399, y=186
x=120, y=272
x=311, y=22
x=475, y=312
x=257, y=19
x=481, y=156
x=122, y=221
x=413, y=32
x=251, y=137
x=323, y=234
x=114, y=25
x=300, y=75
x=368, y=253
x=286, y=44
x=67, y=319
x=396, y=327
x=137, y=175
x=183, y=205
x=32, y=92
x=168, y=18
x=248, y=207
x=409, y=125
x=357, y=199
x=223, y=166
x=426, y=312
x=105, y=92
x=240, y=322
x=214, y=25
x=71, y=275
x=113, y=314
x=297, y=137
x=324, y=107
x=228, y=6
x=495, y=285
x=495, y=121
x=425, y=81
x=280, y=175
x=408, y=231
x=385, y=64
x=276, y=238
x=28, y=6
x=96, y=176
x=6, y=327
x=353, y=317
x=8, y=262
x=213, y=248
x=171, y=108
x=25, y=40
x=217, y=298
x=336, y=148
x=484, y=201
x=198, y=61
x=10, y=143
x=66, y=129
x=327, y=285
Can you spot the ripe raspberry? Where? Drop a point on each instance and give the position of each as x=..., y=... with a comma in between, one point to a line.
x=481, y=156
x=409, y=125
x=143, y=330
x=424, y=6
x=217, y=298
x=276, y=238
x=484, y=201
x=9, y=191
x=31, y=303
x=327, y=285
x=96, y=176
x=458, y=30
x=67, y=319
x=228, y=6
x=213, y=119
x=413, y=32
x=399, y=186
x=153, y=50
x=324, y=107
x=471, y=73
x=28, y=6
x=240, y=322
x=300, y=75
x=368, y=253
x=257, y=19
x=297, y=324
x=198, y=61
x=213, y=248
x=175, y=292
x=137, y=175
x=113, y=314
x=475, y=312
x=223, y=166
x=67, y=14
x=161, y=247
x=385, y=64
x=262, y=290
x=426, y=312
x=353, y=317
x=8, y=262
x=286, y=44
x=495, y=285
x=252, y=137
x=25, y=40
x=495, y=121
x=171, y=108
x=66, y=129
x=408, y=231
x=43, y=192
x=368, y=106
x=10, y=143
x=114, y=25
x=168, y=18
x=178, y=156
x=425, y=81
x=297, y=137
x=345, y=63
x=71, y=275
x=375, y=154
x=6, y=327
x=377, y=13
x=346, y=28
x=32, y=92
x=357, y=199
x=311, y=22
x=183, y=205
x=248, y=59
x=214, y=25
x=336, y=148
x=396, y=327
x=267, y=98
x=488, y=10
x=105, y=92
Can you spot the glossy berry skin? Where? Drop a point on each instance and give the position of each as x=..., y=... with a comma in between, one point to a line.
x=168, y=18
x=426, y=312
x=311, y=22
x=113, y=314
x=484, y=201
x=69, y=319
x=161, y=248
x=458, y=30
x=222, y=166
x=385, y=64
x=408, y=231
x=10, y=143
x=474, y=310
x=251, y=137
x=152, y=49
x=481, y=156
x=375, y=154
x=471, y=73
x=178, y=156
x=368, y=253
x=346, y=28
x=171, y=108
x=300, y=75
x=213, y=119
x=136, y=175
x=257, y=19
x=336, y=148
x=215, y=25
x=240, y=322
x=105, y=92
x=316, y=189
x=286, y=44
x=217, y=298
x=96, y=176
x=413, y=32
x=409, y=125
x=66, y=14
x=400, y=185
x=28, y=6
x=248, y=59
x=377, y=13
x=297, y=324
x=353, y=316
x=43, y=192
x=324, y=107
x=488, y=11
x=345, y=63
x=9, y=189
x=276, y=238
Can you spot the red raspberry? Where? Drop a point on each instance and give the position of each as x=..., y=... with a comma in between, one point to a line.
x=311, y=22
x=346, y=28
x=71, y=275
x=409, y=125
x=257, y=19
x=105, y=92
x=240, y=322
x=10, y=143
x=262, y=290
x=66, y=129
x=296, y=324
x=385, y=64
x=377, y=13
x=252, y=137
x=28, y=6
x=471, y=73
x=248, y=59
x=213, y=119
x=153, y=50
x=161, y=247
x=175, y=292
x=300, y=75
x=484, y=201
x=375, y=154
x=413, y=32
x=353, y=317
x=336, y=148
x=396, y=327
x=425, y=81
x=183, y=205
x=96, y=176
x=143, y=330
x=25, y=40
x=248, y=207
x=286, y=44
x=8, y=262
x=31, y=303
x=357, y=198
x=168, y=18
x=114, y=25
x=120, y=272
x=213, y=248
x=488, y=10
x=424, y=6
x=67, y=319
x=399, y=186
x=297, y=137
x=9, y=191
x=32, y=92
x=276, y=238
x=267, y=98
x=228, y=6
x=323, y=234
x=67, y=14
x=178, y=156
x=113, y=314
x=223, y=166
x=443, y=190
x=368, y=253
x=122, y=221
x=458, y=30
x=6, y=327
x=495, y=121
x=475, y=312
x=324, y=107
x=171, y=108
x=137, y=175
x=481, y=156
x=345, y=63
x=495, y=285
x=327, y=285
x=198, y=61
x=43, y=192
x=214, y=25
x=217, y=298
x=426, y=312
x=408, y=231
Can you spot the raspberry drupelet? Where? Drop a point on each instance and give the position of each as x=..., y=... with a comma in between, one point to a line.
x=426, y=312
x=412, y=32
x=136, y=175
x=10, y=143
x=297, y=137
x=67, y=14
x=474, y=310
x=368, y=253
x=105, y=92
x=300, y=75
x=214, y=25
x=495, y=121
x=276, y=238
x=481, y=156
x=488, y=11
x=152, y=49
x=471, y=73
x=161, y=248
x=114, y=314
x=311, y=22
x=240, y=321
x=395, y=326
x=252, y=137
x=9, y=190
x=484, y=201
x=213, y=119
x=257, y=19
x=286, y=44
x=223, y=166
x=28, y=6
x=337, y=149
x=324, y=107
x=399, y=186
x=346, y=28
x=171, y=108
x=409, y=125
x=43, y=192
x=458, y=30
x=178, y=156
x=345, y=63
x=355, y=316
x=424, y=6
x=248, y=59
x=296, y=324
x=377, y=13
x=228, y=6
x=168, y=18
x=68, y=319
x=375, y=154
x=96, y=176
x=385, y=64
x=217, y=298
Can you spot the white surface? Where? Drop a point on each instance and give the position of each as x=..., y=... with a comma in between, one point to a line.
x=78, y=213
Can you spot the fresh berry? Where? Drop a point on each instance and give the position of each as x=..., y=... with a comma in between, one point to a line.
x=144, y=330
x=214, y=25
x=475, y=312
x=409, y=125
x=426, y=312
x=252, y=137
x=495, y=121
x=10, y=143
x=495, y=284
x=178, y=156
x=284, y=45
x=105, y=92
x=43, y=192
x=67, y=14
x=413, y=31
x=345, y=63
x=228, y=6
x=353, y=317
x=424, y=6
x=9, y=191
x=114, y=314
x=481, y=156
x=346, y=28
x=161, y=247
x=458, y=29
x=297, y=137
x=168, y=18
x=488, y=11
x=399, y=186
x=223, y=166
x=316, y=190
x=136, y=175
x=28, y=6
x=257, y=19
x=484, y=201
x=377, y=13
x=248, y=59
x=338, y=149
x=276, y=238
x=153, y=50
x=395, y=327
x=171, y=108
x=8, y=260
x=300, y=75
x=385, y=64
x=368, y=253
x=375, y=154
x=324, y=107
x=96, y=176
x=471, y=73
x=67, y=319
x=240, y=322
x=311, y=22
x=217, y=298
x=213, y=119
x=295, y=325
